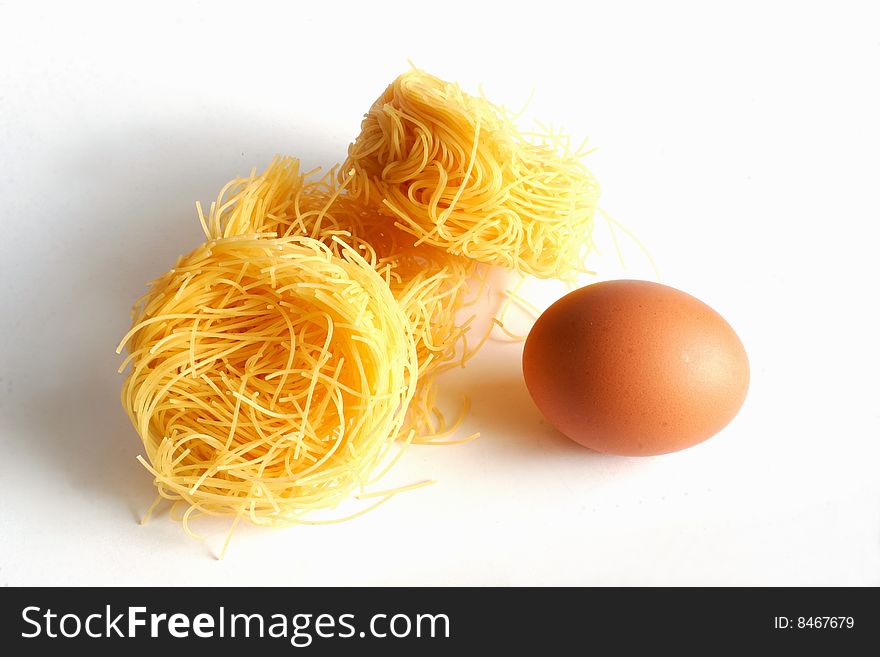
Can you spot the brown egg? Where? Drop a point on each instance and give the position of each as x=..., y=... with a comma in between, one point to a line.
x=635, y=368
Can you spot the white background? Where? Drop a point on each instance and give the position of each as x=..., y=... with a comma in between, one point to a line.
x=740, y=143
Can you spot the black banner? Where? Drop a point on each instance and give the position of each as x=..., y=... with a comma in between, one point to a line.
x=440, y=621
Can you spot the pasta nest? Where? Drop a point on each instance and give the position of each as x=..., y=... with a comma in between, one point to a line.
x=269, y=377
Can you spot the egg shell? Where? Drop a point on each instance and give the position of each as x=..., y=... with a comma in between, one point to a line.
x=635, y=368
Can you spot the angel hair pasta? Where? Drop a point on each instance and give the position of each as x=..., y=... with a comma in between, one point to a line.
x=269, y=377
x=274, y=368
x=454, y=171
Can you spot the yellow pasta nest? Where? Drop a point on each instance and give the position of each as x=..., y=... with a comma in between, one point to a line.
x=269, y=377
x=454, y=171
